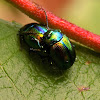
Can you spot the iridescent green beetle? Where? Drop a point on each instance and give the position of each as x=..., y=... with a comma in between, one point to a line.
x=49, y=42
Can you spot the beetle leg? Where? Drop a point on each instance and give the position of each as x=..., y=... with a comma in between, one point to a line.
x=32, y=49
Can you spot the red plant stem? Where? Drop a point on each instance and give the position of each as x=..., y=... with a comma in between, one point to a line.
x=72, y=31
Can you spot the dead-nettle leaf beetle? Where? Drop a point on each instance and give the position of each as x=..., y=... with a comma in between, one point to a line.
x=49, y=42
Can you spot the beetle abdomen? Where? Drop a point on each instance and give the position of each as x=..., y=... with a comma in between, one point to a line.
x=63, y=53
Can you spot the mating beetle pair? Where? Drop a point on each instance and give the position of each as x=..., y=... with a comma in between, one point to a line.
x=49, y=42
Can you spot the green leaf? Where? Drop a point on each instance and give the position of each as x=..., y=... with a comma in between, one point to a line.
x=26, y=77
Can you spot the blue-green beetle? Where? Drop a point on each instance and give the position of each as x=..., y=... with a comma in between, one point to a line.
x=49, y=42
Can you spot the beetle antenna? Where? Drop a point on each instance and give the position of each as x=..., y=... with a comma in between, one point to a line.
x=46, y=19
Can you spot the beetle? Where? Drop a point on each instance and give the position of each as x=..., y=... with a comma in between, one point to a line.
x=50, y=43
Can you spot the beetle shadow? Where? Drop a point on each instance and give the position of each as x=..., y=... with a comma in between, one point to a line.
x=42, y=64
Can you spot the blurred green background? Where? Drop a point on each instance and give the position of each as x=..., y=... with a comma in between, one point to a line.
x=84, y=13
